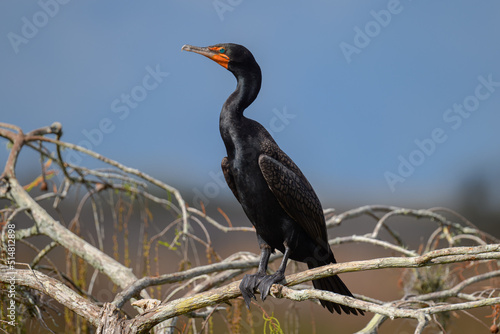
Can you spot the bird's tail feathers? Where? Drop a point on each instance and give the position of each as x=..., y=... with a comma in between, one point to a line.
x=334, y=284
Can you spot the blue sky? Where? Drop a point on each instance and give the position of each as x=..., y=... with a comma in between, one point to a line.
x=356, y=92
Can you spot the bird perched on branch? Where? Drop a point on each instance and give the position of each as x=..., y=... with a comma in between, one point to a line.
x=275, y=195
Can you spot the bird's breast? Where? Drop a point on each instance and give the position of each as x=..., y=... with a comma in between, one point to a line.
x=259, y=203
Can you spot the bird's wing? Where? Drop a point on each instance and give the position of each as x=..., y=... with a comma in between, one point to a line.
x=295, y=194
x=229, y=177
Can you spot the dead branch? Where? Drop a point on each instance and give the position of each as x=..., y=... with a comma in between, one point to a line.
x=45, y=224
x=53, y=288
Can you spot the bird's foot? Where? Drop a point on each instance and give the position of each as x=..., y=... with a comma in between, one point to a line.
x=249, y=285
x=267, y=281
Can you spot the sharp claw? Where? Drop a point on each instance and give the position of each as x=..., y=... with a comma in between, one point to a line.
x=264, y=294
x=247, y=296
x=248, y=300
x=264, y=289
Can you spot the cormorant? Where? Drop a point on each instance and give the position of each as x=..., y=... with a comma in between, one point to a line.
x=275, y=195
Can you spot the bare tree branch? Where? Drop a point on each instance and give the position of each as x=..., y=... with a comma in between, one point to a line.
x=119, y=274
x=53, y=288
x=145, y=282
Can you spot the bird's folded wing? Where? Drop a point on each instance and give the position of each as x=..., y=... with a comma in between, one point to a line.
x=229, y=177
x=295, y=195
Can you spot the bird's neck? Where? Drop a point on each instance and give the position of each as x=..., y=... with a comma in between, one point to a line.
x=247, y=89
x=231, y=117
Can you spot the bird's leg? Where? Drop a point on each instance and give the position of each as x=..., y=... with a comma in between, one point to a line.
x=249, y=283
x=266, y=283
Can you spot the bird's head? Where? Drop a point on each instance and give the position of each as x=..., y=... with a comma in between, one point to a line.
x=237, y=59
x=233, y=57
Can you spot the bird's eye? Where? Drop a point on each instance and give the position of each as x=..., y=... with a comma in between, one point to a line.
x=222, y=50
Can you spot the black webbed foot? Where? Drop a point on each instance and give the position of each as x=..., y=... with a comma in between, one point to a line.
x=267, y=281
x=249, y=285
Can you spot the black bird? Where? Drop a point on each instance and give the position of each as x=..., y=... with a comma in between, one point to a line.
x=275, y=195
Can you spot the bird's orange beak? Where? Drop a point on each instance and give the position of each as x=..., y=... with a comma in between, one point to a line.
x=209, y=52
